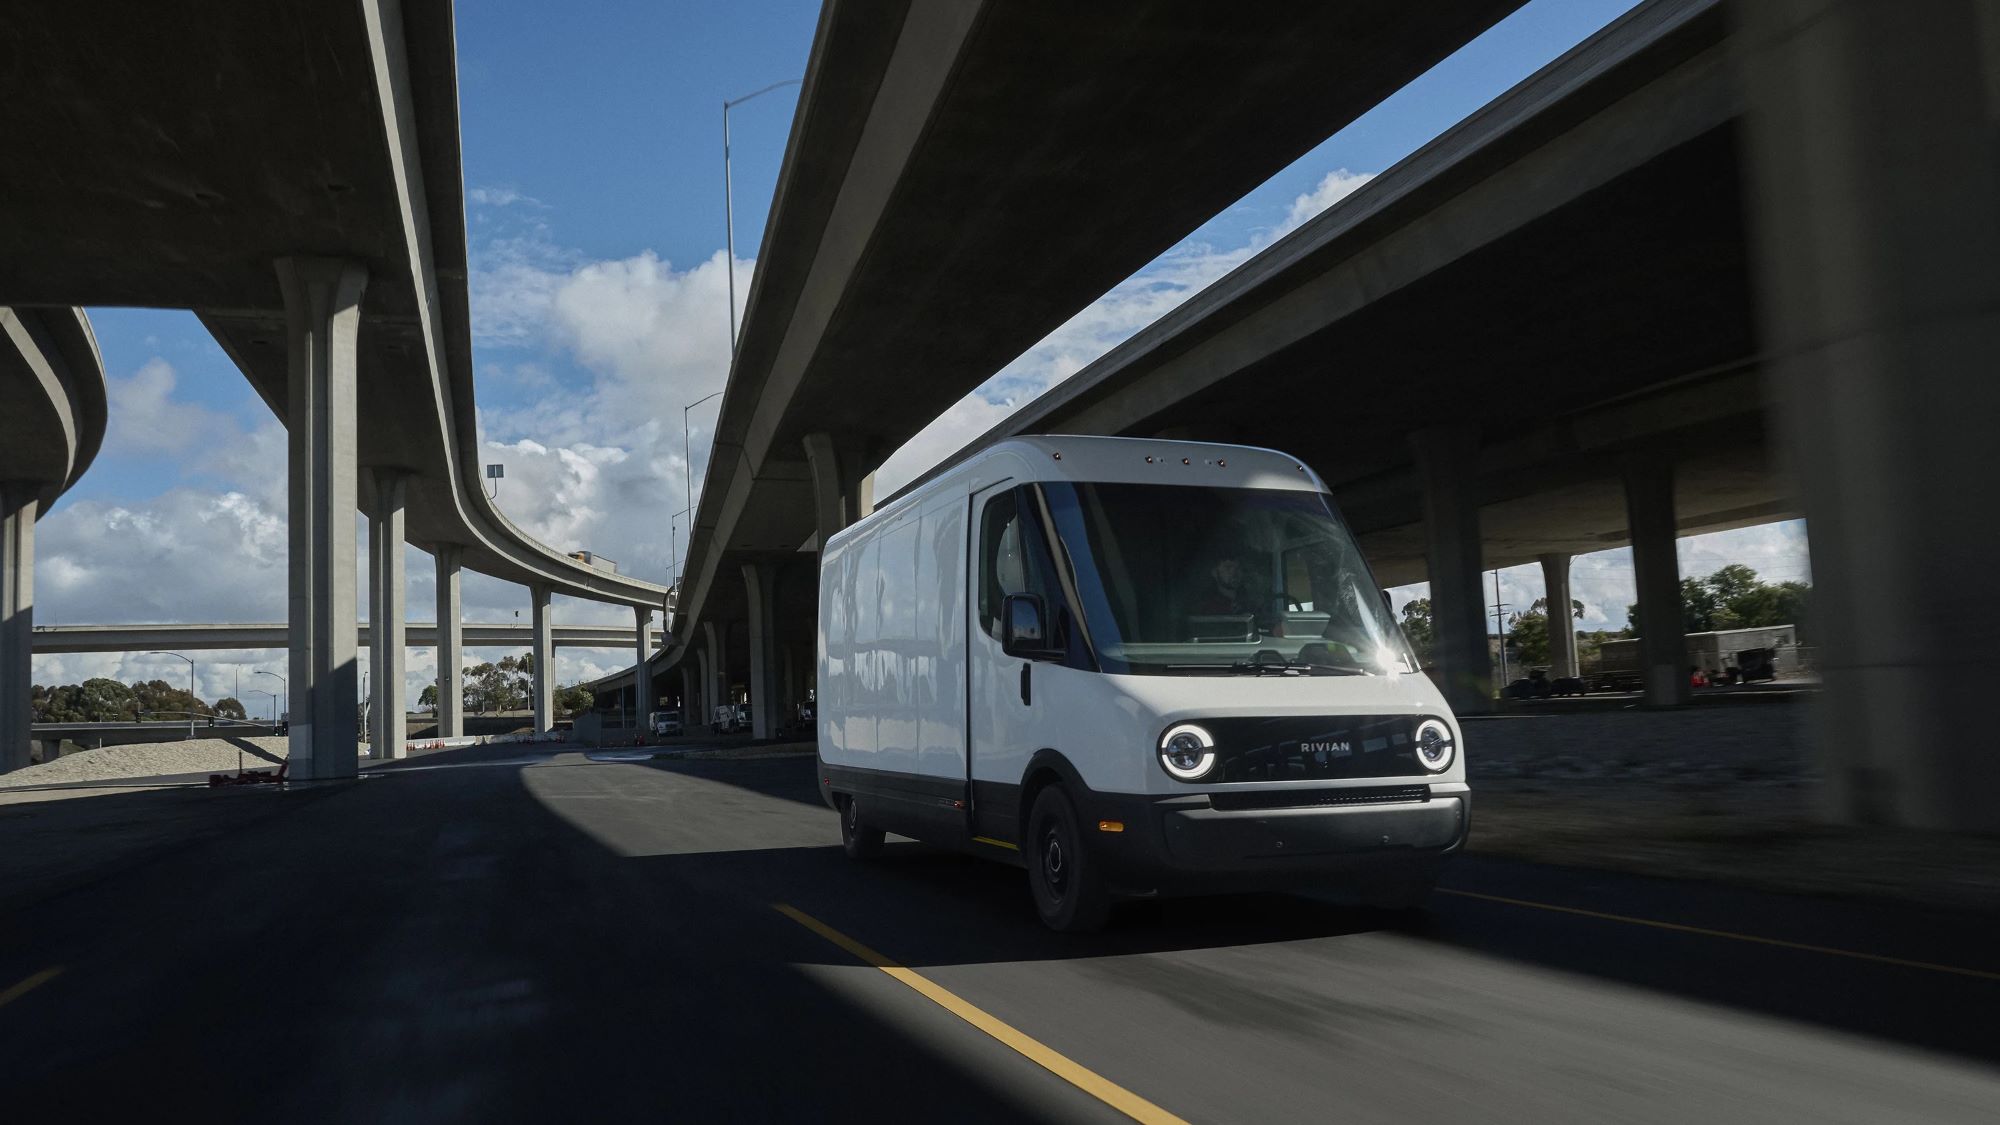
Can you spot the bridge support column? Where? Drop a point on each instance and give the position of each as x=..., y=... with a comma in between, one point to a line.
x=841, y=493
x=1562, y=625
x=642, y=676
x=759, y=584
x=543, y=682
x=719, y=667
x=704, y=683
x=1873, y=174
x=450, y=643
x=387, y=590
x=18, y=506
x=1445, y=462
x=1656, y=569
x=322, y=315
x=688, y=701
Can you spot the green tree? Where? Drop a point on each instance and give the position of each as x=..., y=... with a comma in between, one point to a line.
x=231, y=707
x=1528, y=637
x=1786, y=603
x=574, y=700
x=106, y=701
x=1735, y=598
x=428, y=697
x=501, y=686
x=1528, y=632
x=1418, y=628
x=164, y=700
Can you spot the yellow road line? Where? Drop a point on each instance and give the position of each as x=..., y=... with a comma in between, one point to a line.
x=996, y=843
x=1089, y=1081
x=15, y=992
x=1955, y=970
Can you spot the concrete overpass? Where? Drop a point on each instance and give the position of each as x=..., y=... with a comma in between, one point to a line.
x=960, y=179
x=1691, y=276
x=300, y=189
x=52, y=419
x=211, y=637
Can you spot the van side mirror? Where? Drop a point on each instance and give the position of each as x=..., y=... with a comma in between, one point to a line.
x=1024, y=628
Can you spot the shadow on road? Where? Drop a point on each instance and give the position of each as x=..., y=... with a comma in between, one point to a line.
x=443, y=945
x=253, y=750
x=517, y=942
x=924, y=906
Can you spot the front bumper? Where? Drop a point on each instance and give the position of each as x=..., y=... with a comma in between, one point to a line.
x=1185, y=844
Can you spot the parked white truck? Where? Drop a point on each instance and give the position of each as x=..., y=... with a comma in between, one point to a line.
x=1135, y=667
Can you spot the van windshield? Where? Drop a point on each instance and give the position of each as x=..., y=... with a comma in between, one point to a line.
x=1175, y=580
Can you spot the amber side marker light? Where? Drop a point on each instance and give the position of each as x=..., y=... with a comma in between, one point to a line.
x=1111, y=826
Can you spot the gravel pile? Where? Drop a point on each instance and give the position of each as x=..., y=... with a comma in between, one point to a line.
x=152, y=759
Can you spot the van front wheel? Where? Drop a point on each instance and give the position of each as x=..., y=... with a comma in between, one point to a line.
x=1065, y=878
x=858, y=840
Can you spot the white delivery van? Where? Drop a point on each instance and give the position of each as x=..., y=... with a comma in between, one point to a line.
x=1135, y=667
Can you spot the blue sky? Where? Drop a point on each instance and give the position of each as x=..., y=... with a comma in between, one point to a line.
x=592, y=140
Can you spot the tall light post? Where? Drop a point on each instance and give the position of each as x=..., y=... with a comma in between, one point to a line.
x=673, y=526
x=1500, y=626
x=281, y=683
x=191, y=700
x=729, y=203
x=688, y=452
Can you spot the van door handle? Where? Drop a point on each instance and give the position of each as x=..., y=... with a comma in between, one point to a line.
x=1027, y=688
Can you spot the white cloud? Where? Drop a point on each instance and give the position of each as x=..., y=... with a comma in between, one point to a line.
x=185, y=555
x=1333, y=187
x=500, y=197
x=144, y=417
x=604, y=468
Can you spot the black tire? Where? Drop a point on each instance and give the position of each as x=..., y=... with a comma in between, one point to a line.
x=857, y=839
x=1065, y=878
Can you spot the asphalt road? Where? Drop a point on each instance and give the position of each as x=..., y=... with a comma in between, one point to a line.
x=558, y=938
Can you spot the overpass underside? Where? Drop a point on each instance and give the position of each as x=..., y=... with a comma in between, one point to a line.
x=1698, y=274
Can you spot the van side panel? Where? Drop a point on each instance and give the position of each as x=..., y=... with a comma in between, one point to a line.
x=864, y=701
x=939, y=653
x=895, y=648
x=836, y=651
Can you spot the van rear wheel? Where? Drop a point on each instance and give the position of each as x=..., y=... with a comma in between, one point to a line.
x=1066, y=879
x=857, y=839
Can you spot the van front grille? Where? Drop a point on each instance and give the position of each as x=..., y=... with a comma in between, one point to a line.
x=1311, y=798
x=1315, y=748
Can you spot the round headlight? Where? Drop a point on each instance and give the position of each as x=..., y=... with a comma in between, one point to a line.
x=1187, y=751
x=1435, y=746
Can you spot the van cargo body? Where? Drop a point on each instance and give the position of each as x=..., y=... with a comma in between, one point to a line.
x=1134, y=667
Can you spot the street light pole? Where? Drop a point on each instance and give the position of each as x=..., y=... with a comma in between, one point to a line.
x=287, y=688
x=729, y=202
x=191, y=700
x=687, y=452
x=1500, y=626
x=672, y=523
